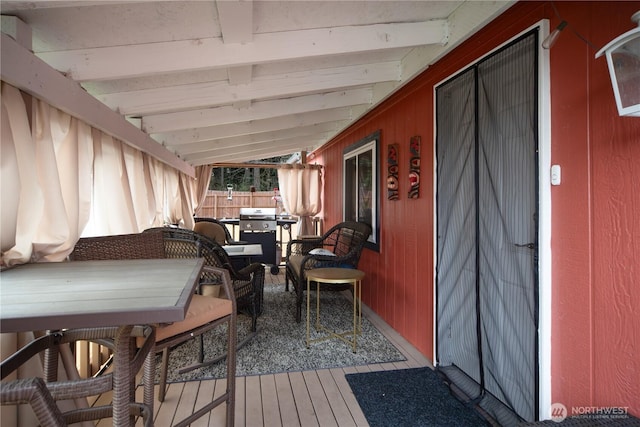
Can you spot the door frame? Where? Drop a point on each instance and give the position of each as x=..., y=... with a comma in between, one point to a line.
x=544, y=212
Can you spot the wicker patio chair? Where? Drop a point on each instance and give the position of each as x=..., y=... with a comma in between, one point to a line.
x=34, y=392
x=204, y=313
x=42, y=393
x=340, y=246
x=247, y=283
x=228, y=238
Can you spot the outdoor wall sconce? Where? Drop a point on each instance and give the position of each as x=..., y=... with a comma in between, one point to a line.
x=623, y=58
x=229, y=192
x=550, y=40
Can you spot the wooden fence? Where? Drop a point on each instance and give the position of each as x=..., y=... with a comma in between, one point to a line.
x=218, y=205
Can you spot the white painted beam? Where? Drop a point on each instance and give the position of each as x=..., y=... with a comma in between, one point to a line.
x=118, y=62
x=259, y=110
x=240, y=75
x=236, y=20
x=259, y=151
x=190, y=136
x=14, y=5
x=20, y=68
x=18, y=30
x=198, y=95
x=257, y=138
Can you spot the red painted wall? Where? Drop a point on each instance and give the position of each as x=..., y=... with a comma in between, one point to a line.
x=596, y=211
x=596, y=219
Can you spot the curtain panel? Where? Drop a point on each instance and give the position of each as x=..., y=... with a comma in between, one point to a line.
x=300, y=188
x=201, y=185
x=62, y=179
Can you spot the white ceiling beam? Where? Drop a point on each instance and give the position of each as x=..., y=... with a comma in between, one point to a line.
x=259, y=110
x=260, y=151
x=175, y=56
x=236, y=20
x=240, y=75
x=46, y=4
x=20, y=68
x=254, y=126
x=236, y=23
x=198, y=95
x=18, y=30
x=257, y=138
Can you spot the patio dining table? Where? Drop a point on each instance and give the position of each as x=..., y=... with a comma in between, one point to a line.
x=60, y=296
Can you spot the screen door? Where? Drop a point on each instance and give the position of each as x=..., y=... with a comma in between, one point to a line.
x=486, y=284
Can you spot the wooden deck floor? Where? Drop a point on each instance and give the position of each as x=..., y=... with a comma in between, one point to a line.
x=309, y=398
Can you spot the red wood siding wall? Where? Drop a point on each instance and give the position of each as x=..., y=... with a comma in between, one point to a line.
x=596, y=210
x=596, y=219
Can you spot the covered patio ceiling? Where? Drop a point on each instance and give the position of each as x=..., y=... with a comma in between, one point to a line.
x=236, y=81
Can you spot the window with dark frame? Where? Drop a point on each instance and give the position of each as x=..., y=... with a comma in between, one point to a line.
x=361, y=189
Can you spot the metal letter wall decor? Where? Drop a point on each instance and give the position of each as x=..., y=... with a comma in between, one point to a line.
x=414, y=167
x=392, y=172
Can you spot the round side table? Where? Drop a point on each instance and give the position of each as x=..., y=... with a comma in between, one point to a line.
x=336, y=276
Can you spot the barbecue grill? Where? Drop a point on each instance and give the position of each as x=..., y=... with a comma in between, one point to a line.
x=258, y=226
x=257, y=219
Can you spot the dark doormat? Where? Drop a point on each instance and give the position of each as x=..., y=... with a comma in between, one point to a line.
x=409, y=397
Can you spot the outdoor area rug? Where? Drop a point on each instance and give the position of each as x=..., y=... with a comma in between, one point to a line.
x=409, y=397
x=279, y=345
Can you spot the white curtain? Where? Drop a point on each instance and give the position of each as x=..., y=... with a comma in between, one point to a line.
x=203, y=177
x=113, y=206
x=61, y=178
x=155, y=177
x=187, y=200
x=300, y=189
x=45, y=180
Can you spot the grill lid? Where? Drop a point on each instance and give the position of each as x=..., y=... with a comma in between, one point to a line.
x=257, y=219
x=258, y=213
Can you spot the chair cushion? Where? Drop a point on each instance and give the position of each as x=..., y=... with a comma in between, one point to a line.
x=321, y=251
x=212, y=230
x=202, y=310
x=211, y=290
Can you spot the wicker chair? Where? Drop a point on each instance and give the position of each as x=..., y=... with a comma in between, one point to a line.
x=247, y=283
x=228, y=237
x=204, y=313
x=43, y=393
x=344, y=243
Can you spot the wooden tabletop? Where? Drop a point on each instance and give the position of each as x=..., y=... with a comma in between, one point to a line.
x=334, y=275
x=58, y=295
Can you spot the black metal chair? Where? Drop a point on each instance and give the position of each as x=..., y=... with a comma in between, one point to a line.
x=341, y=246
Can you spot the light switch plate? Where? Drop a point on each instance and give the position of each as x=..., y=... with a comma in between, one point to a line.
x=556, y=175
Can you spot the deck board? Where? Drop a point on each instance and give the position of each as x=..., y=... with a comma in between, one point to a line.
x=271, y=410
x=306, y=413
x=286, y=402
x=336, y=401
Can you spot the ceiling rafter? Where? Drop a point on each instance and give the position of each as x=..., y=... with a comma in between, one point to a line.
x=175, y=56
x=198, y=95
x=189, y=136
x=263, y=137
x=259, y=110
x=248, y=152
